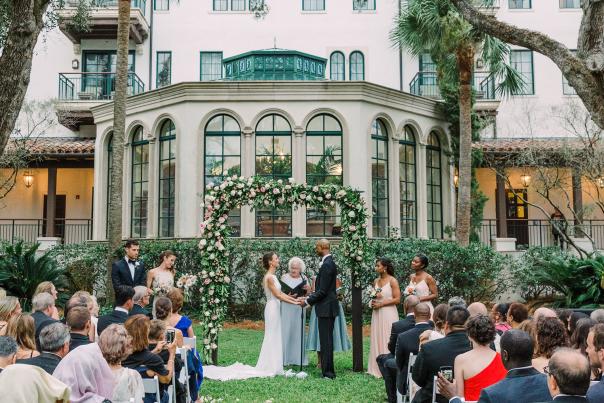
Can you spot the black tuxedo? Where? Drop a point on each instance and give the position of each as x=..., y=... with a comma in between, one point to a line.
x=47, y=361
x=139, y=310
x=325, y=301
x=407, y=343
x=115, y=316
x=570, y=399
x=398, y=327
x=41, y=320
x=120, y=274
x=436, y=354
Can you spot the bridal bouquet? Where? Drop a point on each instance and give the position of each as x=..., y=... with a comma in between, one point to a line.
x=186, y=282
x=161, y=290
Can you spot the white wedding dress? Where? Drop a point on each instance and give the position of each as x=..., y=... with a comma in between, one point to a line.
x=270, y=361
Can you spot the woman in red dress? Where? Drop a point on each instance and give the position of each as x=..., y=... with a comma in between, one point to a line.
x=480, y=367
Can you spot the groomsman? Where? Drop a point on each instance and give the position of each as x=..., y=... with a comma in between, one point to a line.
x=129, y=270
x=326, y=305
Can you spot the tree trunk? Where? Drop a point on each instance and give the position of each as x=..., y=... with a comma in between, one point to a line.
x=465, y=62
x=26, y=22
x=114, y=233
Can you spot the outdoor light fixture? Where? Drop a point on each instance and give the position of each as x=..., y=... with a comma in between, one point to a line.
x=28, y=179
x=600, y=182
x=456, y=178
x=75, y=64
x=525, y=179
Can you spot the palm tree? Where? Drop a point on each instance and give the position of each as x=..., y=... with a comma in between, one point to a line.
x=435, y=27
x=114, y=232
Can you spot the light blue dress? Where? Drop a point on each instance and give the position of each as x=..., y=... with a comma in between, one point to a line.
x=292, y=324
x=340, y=334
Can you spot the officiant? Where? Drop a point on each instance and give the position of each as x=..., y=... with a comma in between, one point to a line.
x=293, y=318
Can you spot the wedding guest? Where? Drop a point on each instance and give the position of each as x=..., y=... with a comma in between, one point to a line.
x=293, y=317
x=578, y=340
x=9, y=307
x=161, y=278
x=439, y=317
x=384, y=312
x=141, y=300
x=568, y=376
x=442, y=352
x=123, y=305
x=87, y=373
x=480, y=367
x=597, y=316
x=176, y=320
x=27, y=383
x=94, y=318
x=421, y=283
x=54, y=345
x=477, y=308
x=523, y=383
x=129, y=271
x=517, y=313
x=550, y=335
x=573, y=319
x=595, y=352
x=43, y=305
x=158, y=345
x=86, y=300
x=499, y=315
x=564, y=316
x=8, y=352
x=544, y=312
x=530, y=327
x=163, y=311
x=49, y=287
x=22, y=329
x=457, y=301
x=78, y=320
x=115, y=346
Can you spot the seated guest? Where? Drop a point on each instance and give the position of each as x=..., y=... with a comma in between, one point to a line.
x=544, y=312
x=49, y=287
x=457, y=301
x=115, y=346
x=8, y=352
x=597, y=316
x=499, y=314
x=54, y=343
x=439, y=353
x=43, y=305
x=22, y=329
x=141, y=300
x=138, y=328
x=477, y=308
x=407, y=343
x=439, y=317
x=159, y=346
x=123, y=305
x=564, y=316
x=176, y=320
x=550, y=335
x=84, y=298
x=9, y=307
x=568, y=376
x=517, y=313
x=27, y=384
x=595, y=352
x=87, y=373
x=78, y=320
x=578, y=340
x=573, y=319
x=480, y=367
x=522, y=383
x=163, y=311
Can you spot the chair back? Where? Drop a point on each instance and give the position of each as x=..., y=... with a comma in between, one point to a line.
x=183, y=355
x=190, y=342
x=151, y=386
x=434, y=387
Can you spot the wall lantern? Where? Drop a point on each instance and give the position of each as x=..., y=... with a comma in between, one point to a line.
x=75, y=64
x=456, y=178
x=525, y=179
x=600, y=182
x=28, y=179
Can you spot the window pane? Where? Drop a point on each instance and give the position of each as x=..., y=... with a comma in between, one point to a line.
x=522, y=61
x=237, y=5
x=337, y=66
x=220, y=5
x=522, y=4
x=313, y=5
x=211, y=65
x=357, y=66
x=164, y=69
x=363, y=4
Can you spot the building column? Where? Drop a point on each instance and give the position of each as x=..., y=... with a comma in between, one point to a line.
x=577, y=202
x=51, y=202
x=153, y=189
x=248, y=218
x=422, y=192
x=394, y=188
x=299, y=175
x=500, y=206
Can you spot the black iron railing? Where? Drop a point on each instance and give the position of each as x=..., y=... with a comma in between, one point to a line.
x=28, y=230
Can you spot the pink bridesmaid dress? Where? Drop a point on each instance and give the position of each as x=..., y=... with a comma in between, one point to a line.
x=381, y=325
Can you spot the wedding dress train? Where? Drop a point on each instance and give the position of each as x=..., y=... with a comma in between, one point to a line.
x=270, y=361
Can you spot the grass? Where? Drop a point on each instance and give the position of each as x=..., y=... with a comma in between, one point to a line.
x=243, y=345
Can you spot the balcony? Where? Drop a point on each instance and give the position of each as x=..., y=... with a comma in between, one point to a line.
x=425, y=84
x=78, y=92
x=102, y=23
x=28, y=230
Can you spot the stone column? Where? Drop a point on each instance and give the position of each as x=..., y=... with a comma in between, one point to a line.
x=500, y=205
x=422, y=193
x=577, y=202
x=51, y=202
x=153, y=188
x=247, y=170
x=394, y=188
x=299, y=175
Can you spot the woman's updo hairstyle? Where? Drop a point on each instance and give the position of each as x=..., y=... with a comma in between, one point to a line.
x=165, y=254
x=387, y=263
x=163, y=308
x=422, y=258
x=481, y=329
x=266, y=259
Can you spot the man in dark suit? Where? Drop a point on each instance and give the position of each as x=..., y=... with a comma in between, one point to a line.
x=43, y=305
x=523, y=383
x=129, y=270
x=440, y=353
x=123, y=304
x=568, y=376
x=54, y=340
x=326, y=305
x=78, y=320
x=140, y=299
x=595, y=352
x=8, y=351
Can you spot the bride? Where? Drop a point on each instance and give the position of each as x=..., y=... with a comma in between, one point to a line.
x=270, y=361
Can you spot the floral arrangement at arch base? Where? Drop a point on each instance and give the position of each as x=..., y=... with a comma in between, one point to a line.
x=257, y=192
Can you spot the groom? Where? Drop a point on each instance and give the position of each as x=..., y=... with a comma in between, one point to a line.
x=129, y=270
x=326, y=305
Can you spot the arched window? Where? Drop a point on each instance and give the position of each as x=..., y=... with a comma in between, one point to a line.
x=167, y=175
x=337, y=66
x=109, y=173
x=379, y=178
x=274, y=160
x=408, y=184
x=323, y=165
x=223, y=157
x=434, y=191
x=357, y=66
x=140, y=184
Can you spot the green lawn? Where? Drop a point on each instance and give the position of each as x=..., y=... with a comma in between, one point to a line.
x=243, y=345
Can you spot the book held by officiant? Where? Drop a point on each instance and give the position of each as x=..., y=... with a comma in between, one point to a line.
x=297, y=291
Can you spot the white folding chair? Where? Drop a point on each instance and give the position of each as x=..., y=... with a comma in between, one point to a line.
x=410, y=384
x=434, y=387
x=151, y=385
x=183, y=355
x=190, y=342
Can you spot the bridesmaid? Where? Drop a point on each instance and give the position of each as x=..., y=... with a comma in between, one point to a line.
x=161, y=278
x=421, y=283
x=384, y=313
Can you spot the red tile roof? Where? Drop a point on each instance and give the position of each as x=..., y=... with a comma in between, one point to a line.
x=513, y=145
x=55, y=146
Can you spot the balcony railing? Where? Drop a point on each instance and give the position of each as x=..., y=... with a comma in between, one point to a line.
x=425, y=84
x=94, y=86
x=541, y=233
x=140, y=4
x=484, y=86
x=28, y=230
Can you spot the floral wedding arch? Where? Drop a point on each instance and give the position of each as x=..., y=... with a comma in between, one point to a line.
x=257, y=192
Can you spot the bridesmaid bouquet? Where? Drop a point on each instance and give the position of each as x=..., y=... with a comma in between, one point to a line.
x=410, y=290
x=372, y=293
x=186, y=282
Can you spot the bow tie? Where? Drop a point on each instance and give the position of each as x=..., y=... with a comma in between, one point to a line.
x=132, y=262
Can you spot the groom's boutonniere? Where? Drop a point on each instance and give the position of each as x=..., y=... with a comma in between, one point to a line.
x=136, y=264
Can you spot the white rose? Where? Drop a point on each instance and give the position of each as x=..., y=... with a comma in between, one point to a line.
x=351, y=214
x=213, y=331
x=203, y=243
x=212, y=256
